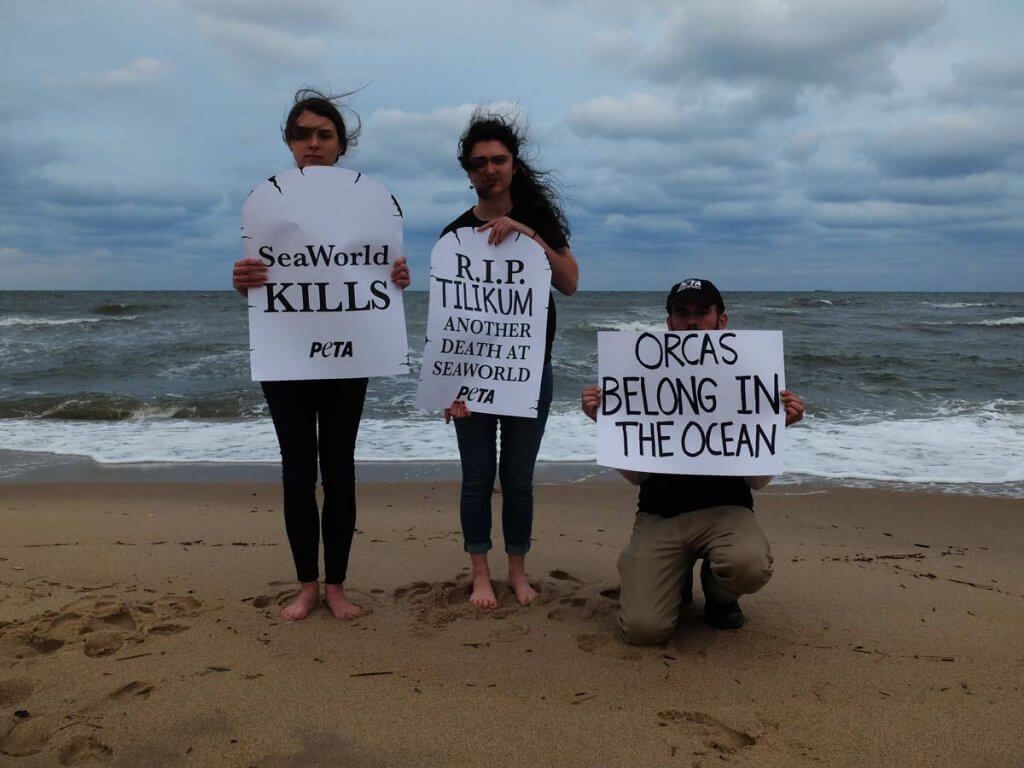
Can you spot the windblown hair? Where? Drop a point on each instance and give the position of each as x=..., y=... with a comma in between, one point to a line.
x=327, y=105
x=531, y=189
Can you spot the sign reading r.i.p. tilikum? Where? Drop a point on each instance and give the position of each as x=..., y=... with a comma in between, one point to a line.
x=486, y=325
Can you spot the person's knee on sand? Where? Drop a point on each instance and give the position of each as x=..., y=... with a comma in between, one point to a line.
x=730, y=572
x=651, y=593
x=645, y=627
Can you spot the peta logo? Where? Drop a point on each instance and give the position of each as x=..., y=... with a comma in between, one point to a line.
x=687, y=285
x=330, y=349
x=475, y=394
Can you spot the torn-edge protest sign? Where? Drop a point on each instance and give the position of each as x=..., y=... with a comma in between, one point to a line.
x=691, y=402
x=329, y=309
x=486, y=324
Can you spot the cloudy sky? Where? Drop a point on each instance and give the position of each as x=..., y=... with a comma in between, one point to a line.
x=768, y=144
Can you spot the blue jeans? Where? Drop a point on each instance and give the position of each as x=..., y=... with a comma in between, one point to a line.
x=520, y=442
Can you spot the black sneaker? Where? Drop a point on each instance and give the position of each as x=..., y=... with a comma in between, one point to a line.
x=723, y=615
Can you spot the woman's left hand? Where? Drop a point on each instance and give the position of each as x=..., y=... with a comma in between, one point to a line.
x=400, y=273
x=502, y=227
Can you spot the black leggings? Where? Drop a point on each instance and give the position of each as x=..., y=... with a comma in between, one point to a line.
x=298, y=408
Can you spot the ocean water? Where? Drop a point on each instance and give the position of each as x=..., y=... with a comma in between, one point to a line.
x=923, y=389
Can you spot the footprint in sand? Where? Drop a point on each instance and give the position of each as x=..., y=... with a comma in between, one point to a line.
x=366, y=600
x=281, y=597
x=168, y=628
x=416, y=589
x=25, y=737
x=103, y=624
x=113, y=612
x=608, y=644
x=103, y=643
x=577, y=606
x=14, y=691
x=718, y=736
x=612, y=593
x=134, y=688
x=175, y=606
x=435, y=605
x=84, y=749
x=569, y=609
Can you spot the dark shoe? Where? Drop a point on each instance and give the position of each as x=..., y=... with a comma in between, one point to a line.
x=688, y=588
x=724, y=615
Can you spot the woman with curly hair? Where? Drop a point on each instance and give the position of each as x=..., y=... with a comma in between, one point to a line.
x=512, y=197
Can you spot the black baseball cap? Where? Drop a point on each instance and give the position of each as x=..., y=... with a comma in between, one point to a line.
x=695, y=289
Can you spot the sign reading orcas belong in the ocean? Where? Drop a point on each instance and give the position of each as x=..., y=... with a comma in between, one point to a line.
x=328, y=310
x=691, y=403
x=486, y=324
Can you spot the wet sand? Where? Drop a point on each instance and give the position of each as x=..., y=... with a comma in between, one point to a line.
x=139, y=627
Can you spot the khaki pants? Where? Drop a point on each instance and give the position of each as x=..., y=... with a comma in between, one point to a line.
x=661, y=552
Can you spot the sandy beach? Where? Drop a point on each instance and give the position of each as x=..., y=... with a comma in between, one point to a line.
x=139, y=627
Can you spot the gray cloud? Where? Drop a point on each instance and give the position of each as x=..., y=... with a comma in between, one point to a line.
x=775, y=144
x=638, y=115
x=701, y=110
x=947, y=145
x=856, y=185
x=844, y=43
x=265, y=33
x=141, y=71
x=1000, y=73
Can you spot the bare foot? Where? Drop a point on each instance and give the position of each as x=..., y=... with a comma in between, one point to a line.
x=483, y=591
x=304, y=602
x=517, y=580
x=341, y=607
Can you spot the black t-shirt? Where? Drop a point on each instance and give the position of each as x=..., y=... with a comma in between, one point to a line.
x=672, y=495
x=552, y=234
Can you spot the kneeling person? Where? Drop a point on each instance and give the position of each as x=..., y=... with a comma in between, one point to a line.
x=684, y=518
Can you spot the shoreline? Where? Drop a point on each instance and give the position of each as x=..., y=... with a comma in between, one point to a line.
x=30, y=468
x=24, y=467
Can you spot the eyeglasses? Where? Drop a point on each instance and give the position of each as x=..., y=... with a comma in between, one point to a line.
x=480, y=163
x=298, y=133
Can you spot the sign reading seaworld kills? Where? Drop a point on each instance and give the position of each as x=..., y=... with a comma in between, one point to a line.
x=691, y=402
x=486, y=324
x=329, y=310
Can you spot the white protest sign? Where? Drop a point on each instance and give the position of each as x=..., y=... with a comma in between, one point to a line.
x=691, y=402
x=486, y=324
x=328, y=310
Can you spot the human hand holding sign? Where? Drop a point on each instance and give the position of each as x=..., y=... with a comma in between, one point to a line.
x=248, y=273
x=502, y=227
x=794, y=407
x=590, y=401
x=457, y=410
x=400, y=273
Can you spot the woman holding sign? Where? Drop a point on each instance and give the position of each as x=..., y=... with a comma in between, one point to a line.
x=512, y=197
x=316, y=420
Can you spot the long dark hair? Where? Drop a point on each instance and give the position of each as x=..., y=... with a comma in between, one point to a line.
x=532, y=190
x=326, y=105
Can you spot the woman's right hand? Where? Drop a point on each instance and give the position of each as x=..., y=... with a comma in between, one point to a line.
x=457, y=410
x=248, y=273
